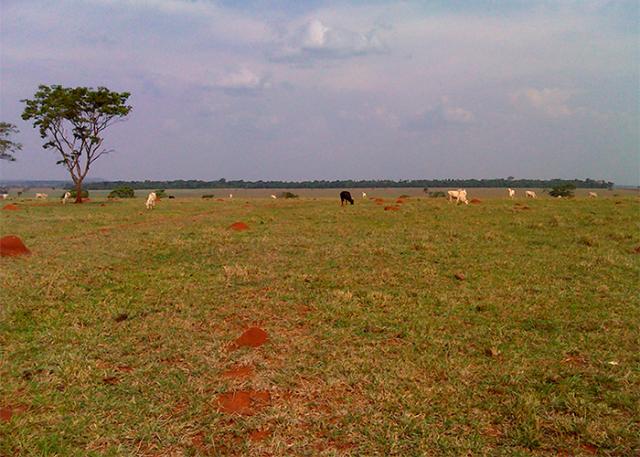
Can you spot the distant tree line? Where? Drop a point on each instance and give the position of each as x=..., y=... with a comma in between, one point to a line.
x=348, y=183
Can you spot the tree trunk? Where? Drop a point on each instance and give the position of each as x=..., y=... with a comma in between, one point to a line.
x=79, y=191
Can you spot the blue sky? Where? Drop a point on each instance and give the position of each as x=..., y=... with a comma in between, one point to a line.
x=332, y=89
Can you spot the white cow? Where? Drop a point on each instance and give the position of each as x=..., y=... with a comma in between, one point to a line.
x=593, y=195
x=512, y=193
x=530, y=194
x=41, y=196
x=459, y=195
x=66, y=197
x=151, y=200
x=230, y=195
x=273, y=196
x=4, y=196
x=364, y=195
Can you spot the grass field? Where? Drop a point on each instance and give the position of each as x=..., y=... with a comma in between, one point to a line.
x=116, y=334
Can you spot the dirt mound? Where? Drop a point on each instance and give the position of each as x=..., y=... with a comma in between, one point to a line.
x=12, y=246
x=475, y=201
x=243, y=402
x=219, y=199
x=459, y=276
x=239, y=226
x=400, y=201
x=252, y=337
x=239, y=372
x=259, y=435
x=392, y=208
x=11, y=207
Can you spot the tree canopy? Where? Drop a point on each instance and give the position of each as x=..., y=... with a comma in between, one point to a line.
x=7, y=146
x=72, y=122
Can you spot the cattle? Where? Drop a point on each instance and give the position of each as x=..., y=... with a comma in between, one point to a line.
x=273, y=196
x=66, y=197
x=151, y=200
x=593, y=195
x=364, y=195
x=230, y=195
x=41, y=196
x=4, y=196
x=345, y=197
x=512, y=192
x=460, y=196
x=530, y=194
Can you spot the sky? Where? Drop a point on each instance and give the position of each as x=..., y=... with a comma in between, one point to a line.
x=294, y=90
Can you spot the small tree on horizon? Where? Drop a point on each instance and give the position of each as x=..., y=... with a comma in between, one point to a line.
x=72, y=121
x=8, y=147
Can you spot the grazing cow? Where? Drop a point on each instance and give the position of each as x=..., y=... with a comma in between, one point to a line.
x=530, y=194
x=4, y=196
x=512, y=193
x=593, y=195
x=230, y=195
x=345, y=197
x=364, y=195
x=273, y=196
x=65, y=197
x=151, y=200
x=42, y=196
x=459, y=195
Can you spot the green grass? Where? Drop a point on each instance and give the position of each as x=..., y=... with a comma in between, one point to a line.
x=375, y=348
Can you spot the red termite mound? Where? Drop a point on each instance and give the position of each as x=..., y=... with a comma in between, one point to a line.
x=10, y=207
x=252, y=337
x=259, y=435
x=11, y=245
x=475, y=201
x=392, y=208
x=239, y=372
x=243, y=402
x=239, y=226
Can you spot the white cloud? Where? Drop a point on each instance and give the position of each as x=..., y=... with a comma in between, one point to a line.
x=241, y=80
x=316, y=40
x=551, y=102
x=439, y=115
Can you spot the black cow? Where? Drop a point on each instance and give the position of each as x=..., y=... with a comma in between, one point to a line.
x=345, y=197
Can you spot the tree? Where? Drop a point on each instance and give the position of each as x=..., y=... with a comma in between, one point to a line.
x=8, y=147
x=562, y=190
x=72, y=121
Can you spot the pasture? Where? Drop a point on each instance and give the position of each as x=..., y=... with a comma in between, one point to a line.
x=502, y=328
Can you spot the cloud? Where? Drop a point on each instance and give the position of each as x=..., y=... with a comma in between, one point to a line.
x=316, y=40
x=440, y=115
x=243, y=81
x=550, y=102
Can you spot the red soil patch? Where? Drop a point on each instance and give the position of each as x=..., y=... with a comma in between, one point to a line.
x=12, y=246
x=11, y=207
x=239, y=226
x=252, y=337
x=637, y=250
x=197, y=441
x=459, y=276
x=259, y=435
x=7, y=412
x=243, y=402
x=475, y=201
x=392, y=208
x=400, y=201
x=239, y=372
x=219, y=199
x=589, y=449
x=378, y=201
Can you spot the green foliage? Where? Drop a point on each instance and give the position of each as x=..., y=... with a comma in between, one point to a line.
x=72, y=121
x=83, y=194
x=563, y=190
x=287, y=195
x=8, y=147
x=122, y=192
x=160, y=193
x=437, y=194
x=208, y=196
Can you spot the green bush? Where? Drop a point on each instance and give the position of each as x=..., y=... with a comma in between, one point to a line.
x=287, y=195
x=122, y=192
x=84, y=194
x=208, y=196
x=160, y=193
x=563, y=190
x=437, y=194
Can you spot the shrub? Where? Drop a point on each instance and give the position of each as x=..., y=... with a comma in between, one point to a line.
x=208, y=196
x=287, y=195
x=437, y=194
x=85, y=193
x=160, y=193
x=122, y=192
x=563, y=190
